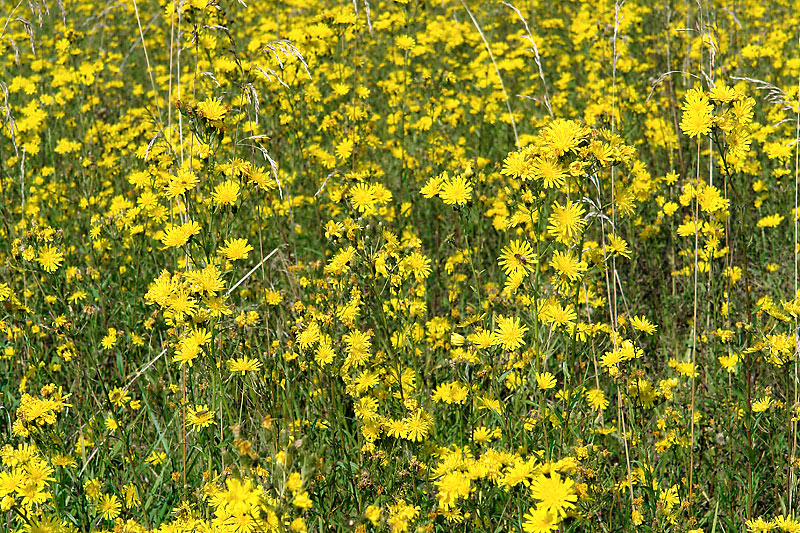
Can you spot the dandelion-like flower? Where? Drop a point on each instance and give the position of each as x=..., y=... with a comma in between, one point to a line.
x=235, y=249
x=244, y=364
x=226, y=193
x=211, y=109
x=556, y=495
x=549, y=171
x=518, y=256
x=509, y=333
x=50, y=258
x=200, y=416
x=563, y=136
x=538, y=520
x=696, y=119
x=566, y=222
x=456, y=191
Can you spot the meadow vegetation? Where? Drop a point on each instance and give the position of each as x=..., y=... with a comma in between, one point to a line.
x=411, y=265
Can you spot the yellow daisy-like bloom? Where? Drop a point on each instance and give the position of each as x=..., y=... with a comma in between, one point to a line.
x=564, y=135
x=302, y=501
x=50, y=258
x=456, y=191
x=556, y=496
x=568, y=266
x=759, y=525
x=539, y=521
x=109, y=506
x=416, y=264
x=762, y=404
x=452, y=487
x=200, y=416
x=545, y=380
x=177, y=236
x=617, y=245
x=244, y=364
x=770, y=221
x=432, y=188
x=743, y=110
x=417, y=427
x=566, y=222
x=211, y=109
x=344, y=149
x=110, y=339
x=182, y=182
x=518, y=256
x=696, y=119
x=118, y=396
x=549, y=171
x=517, y=165
x=597, y=399
x=509, y=333
x=362, y=197
x=235, y=249
x=226, y=193
x=373, y=514
x=642, y=324
x=722, y=93
x=396, y=429
x=786, y=523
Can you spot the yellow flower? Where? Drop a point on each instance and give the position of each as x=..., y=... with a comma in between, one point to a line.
x=298, y=525
x=177, y=236
x=518, y=256
x=549, y=171
x=453, y=392
x=235, y=249
x=456, y=191
x=670, y=208
x=226, y=193
x=545, y=380
x=302, y=501
x=722, y=93
x=563, y=136
x=597, y=399
x=567, y=265
x=373, y=514
x=362, y=197
x=538, y=520
x=200, y=416
x=50, y=258
x=211, y=109
x=404, y=42
x=109, y=506
x=642, y=324
x=119, y=396
x=759, y=525
x=517, y=165
x=762, y=404
x=508, y=333
x=617, y=246
x=294, y=482
x=110, y=339
x=770, y=221
x=344, y=149
x=557, y=496
x=696, y=119
x=244, y=364
x=451, y=488
x=566, y=222
x=179, y=184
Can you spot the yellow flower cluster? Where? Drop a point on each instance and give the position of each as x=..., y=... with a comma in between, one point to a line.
x=399, y=266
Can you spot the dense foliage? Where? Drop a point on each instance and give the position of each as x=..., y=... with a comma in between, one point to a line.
x=412, y=265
